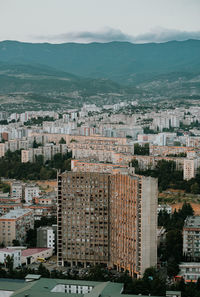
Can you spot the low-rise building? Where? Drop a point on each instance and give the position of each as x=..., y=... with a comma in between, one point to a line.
x=31, y=191
x=164, y=207
x=189, y=271
x=17, y=190
x=12, y=253
x=31, y=255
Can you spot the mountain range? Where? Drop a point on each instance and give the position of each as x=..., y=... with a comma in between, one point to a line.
x=165, y=69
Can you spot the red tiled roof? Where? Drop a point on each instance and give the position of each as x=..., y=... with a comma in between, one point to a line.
x=30, y=252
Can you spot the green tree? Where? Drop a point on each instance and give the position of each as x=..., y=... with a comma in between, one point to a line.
x=62, y=141
x=35, y=144
x=45, y=173
x=195, y=188
x=39, y=159
x=9, y=263
x=172, y=268
x=174, y=245
x=141, y=150
x=43, y=271
x=135, y=164
x=15, y=242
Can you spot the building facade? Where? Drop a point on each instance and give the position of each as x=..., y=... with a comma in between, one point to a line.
x=109, y=219
x=15, y=224
x=46, y=236
x=12, y=253
x=191, y=237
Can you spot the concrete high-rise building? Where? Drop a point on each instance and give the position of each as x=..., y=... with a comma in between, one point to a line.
x=83, y=218
x=107, y=218
x=190, y=168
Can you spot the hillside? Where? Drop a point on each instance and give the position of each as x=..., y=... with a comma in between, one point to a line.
x=67, y=75
x=122, y=62
x=40, y=79
x=28, y=87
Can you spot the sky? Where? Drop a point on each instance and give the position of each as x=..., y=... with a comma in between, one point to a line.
x=138, y=21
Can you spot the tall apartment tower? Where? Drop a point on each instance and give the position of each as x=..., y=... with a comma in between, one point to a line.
x=107, y=218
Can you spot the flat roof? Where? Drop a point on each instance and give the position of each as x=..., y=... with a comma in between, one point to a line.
x=192, y=222
x=9, y=250
x=43, y=288
x=15, y=214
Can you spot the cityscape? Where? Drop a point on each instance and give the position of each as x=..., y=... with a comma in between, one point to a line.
x=100, y=151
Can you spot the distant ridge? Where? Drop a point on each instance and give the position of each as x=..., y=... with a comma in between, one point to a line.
x=123, y=62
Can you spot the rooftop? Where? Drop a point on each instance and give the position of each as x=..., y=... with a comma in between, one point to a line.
x=45, y=287
x=15, y=214
x=192, y=222
x=8, y=250
x=29, y=252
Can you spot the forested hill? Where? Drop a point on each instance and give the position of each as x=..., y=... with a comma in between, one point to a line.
x=122, y=62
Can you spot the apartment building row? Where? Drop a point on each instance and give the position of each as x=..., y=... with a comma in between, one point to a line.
x=107, y=218
x=19, y=144
x=47, y=151
x=82, y=166
x=89, y=158
x=158, y=150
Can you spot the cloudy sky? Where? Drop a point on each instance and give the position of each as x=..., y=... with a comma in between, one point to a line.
x=137, y=21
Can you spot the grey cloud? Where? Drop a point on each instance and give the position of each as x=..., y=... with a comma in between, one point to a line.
x=109, y=34
x=163, y=35
x=106, y=35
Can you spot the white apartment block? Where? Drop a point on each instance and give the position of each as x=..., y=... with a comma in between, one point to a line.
x=17, y=190
x=31, y=191
x=190, y=168
x=189, y=271
x=164, y=207
x=14, y=254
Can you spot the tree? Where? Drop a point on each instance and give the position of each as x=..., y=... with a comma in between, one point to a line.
x=172, y=268
x=174, y=244
x=141, y=150
x=195, y=188
x=39, y=159
x=9, y=263
x=96, y=273
x=31, y=237
x=35, y=144
x=15, y=242
x=62, y=141
x=135, y=164
x=43, y=271
x=44, y=173
x=186, y=211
